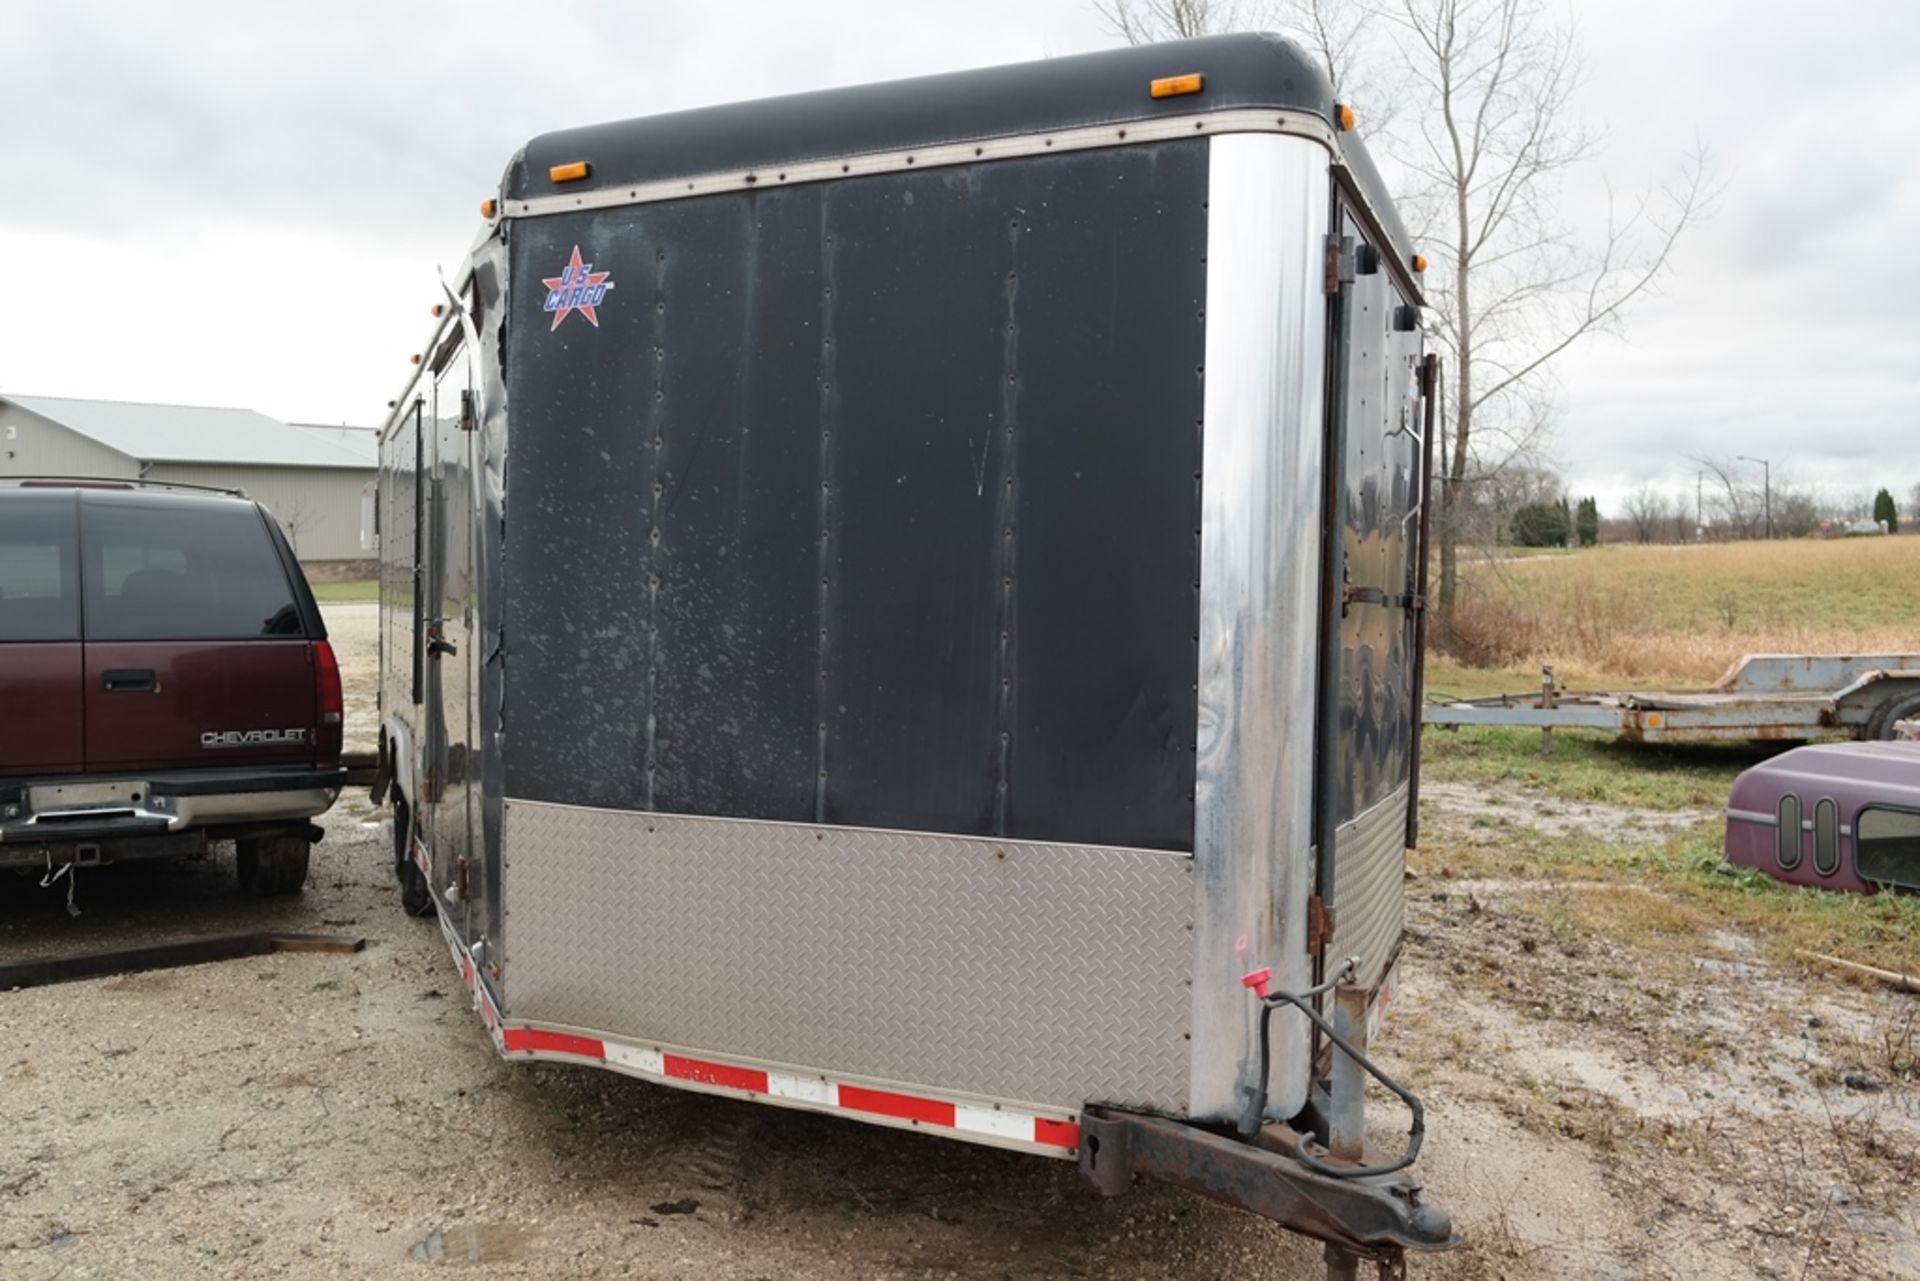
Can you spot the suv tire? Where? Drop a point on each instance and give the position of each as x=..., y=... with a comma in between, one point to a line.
x=272, y=865
x=416, y=896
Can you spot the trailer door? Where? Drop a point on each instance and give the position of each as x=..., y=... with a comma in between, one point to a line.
x=448, y=648
x=1381, y=402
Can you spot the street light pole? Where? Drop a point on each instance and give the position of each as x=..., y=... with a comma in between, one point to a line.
x=1766, y=473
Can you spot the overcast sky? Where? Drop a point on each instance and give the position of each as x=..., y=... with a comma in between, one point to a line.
x=246, y=203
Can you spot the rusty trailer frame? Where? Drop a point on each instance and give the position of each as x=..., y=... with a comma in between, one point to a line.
x=1763, y=697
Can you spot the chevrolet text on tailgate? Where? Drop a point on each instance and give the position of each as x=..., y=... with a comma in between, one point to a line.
x=253, y=737
x=166, y=678
x=866, y=627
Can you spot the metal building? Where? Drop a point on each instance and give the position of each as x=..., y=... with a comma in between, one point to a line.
x=311, y=478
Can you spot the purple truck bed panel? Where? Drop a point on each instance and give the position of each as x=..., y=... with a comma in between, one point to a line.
x=1851, y=775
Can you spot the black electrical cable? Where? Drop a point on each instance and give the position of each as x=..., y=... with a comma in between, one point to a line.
x=1257, y=1098
x=1416, y=1132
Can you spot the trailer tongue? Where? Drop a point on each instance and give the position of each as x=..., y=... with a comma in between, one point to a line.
x=905, y=602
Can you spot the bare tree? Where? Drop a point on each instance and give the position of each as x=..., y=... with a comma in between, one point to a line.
x=1732, y=505
x=1489, y=85
x=1796, y=511
x=1147, y=21
x=1647, y=513
x=1913, y=507
x=1514, y=285
x=1736, y=502
x=294, y=518
x=1333, y=30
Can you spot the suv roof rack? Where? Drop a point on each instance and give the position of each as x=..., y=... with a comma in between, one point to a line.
x=118, y=482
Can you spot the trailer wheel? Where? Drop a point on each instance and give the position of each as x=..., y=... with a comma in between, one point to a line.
x=1901, y=707
x=416, y=897
x=272, y=865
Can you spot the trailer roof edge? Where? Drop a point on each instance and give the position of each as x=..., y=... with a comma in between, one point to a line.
x=1107, y=88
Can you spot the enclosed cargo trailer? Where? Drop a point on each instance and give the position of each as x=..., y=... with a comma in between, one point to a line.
x=905, y=601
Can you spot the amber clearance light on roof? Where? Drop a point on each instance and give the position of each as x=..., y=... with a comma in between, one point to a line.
x=1174, y=86
x=573, y=171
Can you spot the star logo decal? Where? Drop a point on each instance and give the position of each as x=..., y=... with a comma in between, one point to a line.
x=579, y=288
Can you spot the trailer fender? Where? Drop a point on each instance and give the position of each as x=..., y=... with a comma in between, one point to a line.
x=399, y=766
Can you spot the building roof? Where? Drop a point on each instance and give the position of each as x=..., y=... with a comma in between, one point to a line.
x=363, y=442
x=193, y=433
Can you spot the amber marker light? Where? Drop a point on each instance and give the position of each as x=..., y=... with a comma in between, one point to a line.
x=1175, y=86
x=439, y=308
x=1419, y=262
x=1343, y=116
x=573, y=171
x=487, y=207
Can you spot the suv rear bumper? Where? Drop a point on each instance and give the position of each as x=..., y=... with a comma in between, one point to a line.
x=56, y=811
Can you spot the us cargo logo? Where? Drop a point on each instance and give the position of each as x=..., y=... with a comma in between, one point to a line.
x=253, y=738
x=579, y=288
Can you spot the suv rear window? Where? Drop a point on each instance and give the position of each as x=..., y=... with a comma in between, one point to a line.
x=166, y=571
x=39, y=570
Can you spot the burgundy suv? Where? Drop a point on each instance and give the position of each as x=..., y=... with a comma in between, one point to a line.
x=165, y=682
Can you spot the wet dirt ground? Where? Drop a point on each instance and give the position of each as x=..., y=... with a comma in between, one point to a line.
x=1592, y=1114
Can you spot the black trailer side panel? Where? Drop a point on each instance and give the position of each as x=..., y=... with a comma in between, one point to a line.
x=871, y=502
x=662, y=513
x=1111, y=343
x=920, y=267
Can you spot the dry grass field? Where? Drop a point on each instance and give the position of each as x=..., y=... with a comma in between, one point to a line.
x=1681, y=615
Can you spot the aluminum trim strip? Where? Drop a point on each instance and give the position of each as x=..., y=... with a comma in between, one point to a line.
x=1246, y=120
x=989, y=843
x=1268, y=202
x=1755, y=816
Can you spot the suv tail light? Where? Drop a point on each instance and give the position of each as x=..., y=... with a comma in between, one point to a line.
x=328, y=698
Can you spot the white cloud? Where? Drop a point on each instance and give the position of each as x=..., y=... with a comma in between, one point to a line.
x=238, y=203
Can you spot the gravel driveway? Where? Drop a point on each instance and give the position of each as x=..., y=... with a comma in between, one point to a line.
x=346, y=1116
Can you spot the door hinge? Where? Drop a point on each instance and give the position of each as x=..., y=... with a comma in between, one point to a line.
x=1376, y=596
x=1319, y=924
x=1341, y=262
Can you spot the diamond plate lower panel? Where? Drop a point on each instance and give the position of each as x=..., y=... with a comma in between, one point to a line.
x=1044, y=974
x=1369, y=887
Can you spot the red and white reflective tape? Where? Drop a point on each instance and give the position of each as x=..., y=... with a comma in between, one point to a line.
x=981, y=1122
x=993, y=1122
x=470, y=973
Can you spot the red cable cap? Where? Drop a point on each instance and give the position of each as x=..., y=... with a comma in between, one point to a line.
x=1258, y=980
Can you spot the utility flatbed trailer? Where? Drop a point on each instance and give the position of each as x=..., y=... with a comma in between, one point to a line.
x=1764, y=696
